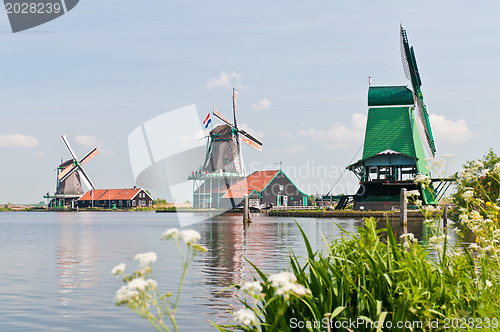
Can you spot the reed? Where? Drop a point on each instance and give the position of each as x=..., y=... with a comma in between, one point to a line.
x=375, y=280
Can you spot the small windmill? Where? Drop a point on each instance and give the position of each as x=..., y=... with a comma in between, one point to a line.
x=70, y=173
x=224, y=148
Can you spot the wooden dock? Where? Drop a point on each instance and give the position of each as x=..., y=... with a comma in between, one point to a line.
x=344, y=214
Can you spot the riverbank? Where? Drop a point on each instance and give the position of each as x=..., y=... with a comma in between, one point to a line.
x=412, y=214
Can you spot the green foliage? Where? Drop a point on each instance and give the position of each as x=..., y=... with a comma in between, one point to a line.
x=480, y=178
x=374, y=277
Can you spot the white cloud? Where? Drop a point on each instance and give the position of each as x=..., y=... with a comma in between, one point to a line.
x=295, y=148
x=18, y=141
x=91, y=141
x=254, y=133
x=87, y=140
x=339, y=136
x=225, y=79
x=449, y=130
x=262, y=105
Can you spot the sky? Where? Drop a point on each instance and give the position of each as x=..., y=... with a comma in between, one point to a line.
x=301, y=69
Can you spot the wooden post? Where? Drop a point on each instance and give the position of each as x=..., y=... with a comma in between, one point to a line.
x=403, y=213
x=445, y=217
x=246, y=210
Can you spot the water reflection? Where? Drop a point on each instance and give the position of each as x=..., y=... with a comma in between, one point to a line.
x=75, y=256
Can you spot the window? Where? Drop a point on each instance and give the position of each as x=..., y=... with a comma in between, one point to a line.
x=281, y=187
x=133, y=203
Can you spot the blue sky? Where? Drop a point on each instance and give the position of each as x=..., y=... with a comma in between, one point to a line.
x=301, y=69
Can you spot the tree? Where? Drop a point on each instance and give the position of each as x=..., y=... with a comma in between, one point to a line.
x=478, y=182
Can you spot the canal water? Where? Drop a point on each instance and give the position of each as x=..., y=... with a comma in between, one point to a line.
x=55, y=267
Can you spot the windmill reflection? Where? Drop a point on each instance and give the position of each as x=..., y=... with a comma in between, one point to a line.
x=74, y=256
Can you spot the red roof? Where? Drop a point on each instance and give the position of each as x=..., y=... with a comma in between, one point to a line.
x=110, y=194
x=256, y=181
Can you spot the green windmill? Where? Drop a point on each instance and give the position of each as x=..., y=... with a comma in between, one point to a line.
x=398, y=135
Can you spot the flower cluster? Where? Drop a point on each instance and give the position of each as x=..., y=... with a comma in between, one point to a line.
x=188, y=236
x=133, y=290
x=285, y=283
x=253, y=289
x=246, y=317
x=422, y=180
x=145, y=259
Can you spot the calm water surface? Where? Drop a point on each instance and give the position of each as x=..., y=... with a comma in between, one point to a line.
x=55, y=267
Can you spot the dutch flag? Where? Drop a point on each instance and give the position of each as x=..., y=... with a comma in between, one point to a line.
x=207, y=121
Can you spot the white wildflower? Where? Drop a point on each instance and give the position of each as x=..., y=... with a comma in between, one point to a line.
x=484, y=173
x=422, y=179
x=137, y=283
x=466, y=175
x=125, y=295
x=252, y=288
x=145, y=259
x=413, y=193
x=189, y=236
x=496, y=168
x=418, y=202
x=281, y=279
x=130, y=291
x=172, y=233
x=437, y=163
x=246, y=317
x=429, y=209
x=409, y=236
x=463, y=218
x=478, y=164
x=284, y=282
x=468, y=195
x=118, y=269
x=488, y=283
x=473, y=246
x=489, y=248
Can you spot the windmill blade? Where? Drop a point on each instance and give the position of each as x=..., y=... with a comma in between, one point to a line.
x=89, y=156
x=250, y=140
x=217, y=114
x=85, y=178
x=409, y=62
x=235, y=97
x=251, y=143
x=424, y=126
x=411, y=72
x=65, y=173
x=65, y=140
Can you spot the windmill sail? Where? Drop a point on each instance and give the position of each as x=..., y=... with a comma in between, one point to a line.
x=412, y=74
x=72, y=166
x=224, y=149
